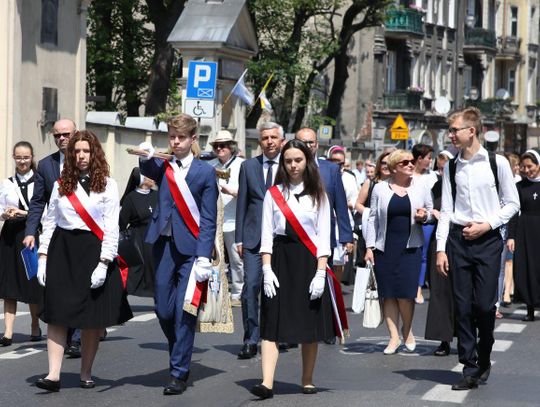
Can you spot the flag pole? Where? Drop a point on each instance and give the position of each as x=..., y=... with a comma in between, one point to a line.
x=259, y=96
x=231, y=92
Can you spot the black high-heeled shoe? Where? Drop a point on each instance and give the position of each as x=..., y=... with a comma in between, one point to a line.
x=5, y=341
x=36, y=338
x=261, y=391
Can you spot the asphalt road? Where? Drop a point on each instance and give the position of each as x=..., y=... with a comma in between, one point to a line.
x=131, y=369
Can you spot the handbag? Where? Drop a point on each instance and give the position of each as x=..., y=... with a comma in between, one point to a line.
x=373, y=315
x=128, y=250
x=360, y=284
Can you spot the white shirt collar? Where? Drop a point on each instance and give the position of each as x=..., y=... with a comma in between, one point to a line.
x=297, y=188
x=25, y=177
x=275, y=159
x=482, y=153
x=187, y=160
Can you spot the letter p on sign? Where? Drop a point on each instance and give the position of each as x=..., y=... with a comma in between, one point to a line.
x=202, y=74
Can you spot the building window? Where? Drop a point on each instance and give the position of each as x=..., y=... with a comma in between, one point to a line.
x=512, y=82
x=49, y=22
x=513, y=21
x=49, y=106
x=391, y=71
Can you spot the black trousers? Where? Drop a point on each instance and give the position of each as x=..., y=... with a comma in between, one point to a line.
x=474, y=270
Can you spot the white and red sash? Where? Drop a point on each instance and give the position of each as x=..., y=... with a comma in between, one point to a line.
x=189, y=211
x=75, y=199
x=340, y=316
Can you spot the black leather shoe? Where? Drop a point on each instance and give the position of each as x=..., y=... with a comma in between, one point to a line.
x=528, y=318
x=484, y=374
x=330, y=341
x=5, y=341
x=287, y=345
x=87, y=384
x=248, y=351
x=466, y=383
x=505, y=304
x=36, y=338
x=443, y=349
x=261, y=391
x=48, y=385
x=176, y=386
x=73, y=351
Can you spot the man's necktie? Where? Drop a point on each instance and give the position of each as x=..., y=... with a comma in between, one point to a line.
x=269, y=182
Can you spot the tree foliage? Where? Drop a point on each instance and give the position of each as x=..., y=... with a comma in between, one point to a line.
x=298, y=40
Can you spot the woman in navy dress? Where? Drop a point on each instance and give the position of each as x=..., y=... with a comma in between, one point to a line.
x=394, y=243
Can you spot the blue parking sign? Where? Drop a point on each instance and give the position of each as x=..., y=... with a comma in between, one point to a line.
x=201, y=80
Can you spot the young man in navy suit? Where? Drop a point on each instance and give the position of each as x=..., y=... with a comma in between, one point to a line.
x=48, y=171
x=256, y=176
x=181, y=250
x=331, y=176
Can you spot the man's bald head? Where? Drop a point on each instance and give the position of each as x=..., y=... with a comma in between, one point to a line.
x=308, y=136
x=62, y=131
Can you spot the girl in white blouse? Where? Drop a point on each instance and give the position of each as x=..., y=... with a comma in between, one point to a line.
x=296, y=305
x=15, y=195
x=83, y=286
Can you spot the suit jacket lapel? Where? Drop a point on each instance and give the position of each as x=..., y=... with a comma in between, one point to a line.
x=193, y=171
x=260, y=174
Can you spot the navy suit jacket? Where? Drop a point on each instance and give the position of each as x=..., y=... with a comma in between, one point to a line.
x=48, y=171
x=201, y=180
x=331, y=178
x=249, y=203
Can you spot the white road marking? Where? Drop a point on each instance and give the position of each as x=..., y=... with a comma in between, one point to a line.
x=444, y=393
x=143, y=317
x=510, y=328
x=524, y=312
x=20, y=353
x=501, y=345
x=19, y=314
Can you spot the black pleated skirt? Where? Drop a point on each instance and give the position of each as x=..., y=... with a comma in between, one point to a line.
x=291, y=316
x=69, y=301
x=14, y=285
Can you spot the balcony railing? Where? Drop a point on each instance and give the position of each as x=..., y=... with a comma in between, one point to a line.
x=402, y=100
x=508, y=45
x=480, y=38
x=487, y=106
x=406, y=21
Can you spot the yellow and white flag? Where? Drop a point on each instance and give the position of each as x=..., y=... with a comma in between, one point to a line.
x=265, y=103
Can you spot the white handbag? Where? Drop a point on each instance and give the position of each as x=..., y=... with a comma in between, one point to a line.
x=360, y=284
x=373, y=314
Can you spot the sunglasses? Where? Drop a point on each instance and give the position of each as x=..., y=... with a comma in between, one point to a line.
x=384, y=163
x=221, y=145
x=58, y=135
x=308, y=142
x=454, y=130
x=404, y=163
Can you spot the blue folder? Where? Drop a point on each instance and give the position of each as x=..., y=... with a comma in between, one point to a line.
x=30, y=261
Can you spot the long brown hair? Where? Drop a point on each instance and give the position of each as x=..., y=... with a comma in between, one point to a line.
x=98, y=170
x=312, y=180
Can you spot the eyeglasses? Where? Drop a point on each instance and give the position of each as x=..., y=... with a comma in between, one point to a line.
x=58, y=135
x=404, y=163
x=454, y=130
x=19, y=158
x=221, y=145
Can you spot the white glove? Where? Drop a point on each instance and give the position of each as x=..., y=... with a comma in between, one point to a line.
x=150, y=150
x=203, y=269
x=270, y=281
x=98, y=275
x=316, y=288
x=42, y=270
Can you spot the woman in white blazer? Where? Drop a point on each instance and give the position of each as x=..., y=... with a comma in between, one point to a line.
x=399, y=206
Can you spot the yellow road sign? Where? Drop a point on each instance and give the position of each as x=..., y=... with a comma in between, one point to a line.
x=399, y=130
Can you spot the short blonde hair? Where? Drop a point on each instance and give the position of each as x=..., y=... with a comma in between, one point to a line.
x=395, y=157
x=183, y=123
x=470, y=116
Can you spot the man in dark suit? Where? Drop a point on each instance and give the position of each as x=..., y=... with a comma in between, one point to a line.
x=256, y=176
x=181, y=249
x=48, y=171
x=331, y=176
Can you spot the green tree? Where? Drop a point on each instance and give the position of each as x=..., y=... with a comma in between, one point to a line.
x=298, y=39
